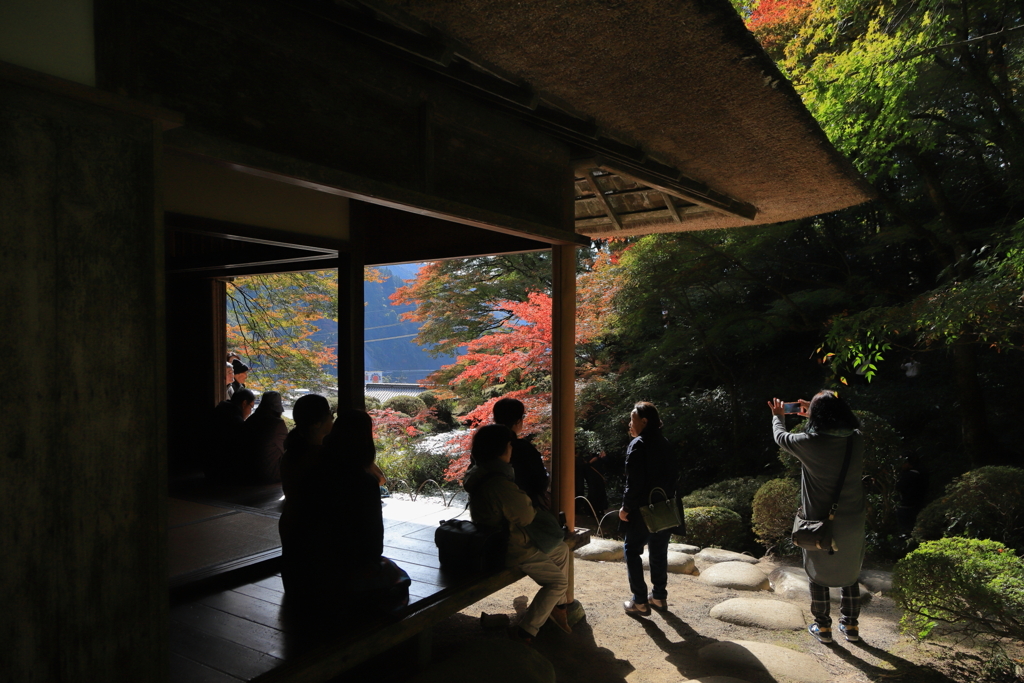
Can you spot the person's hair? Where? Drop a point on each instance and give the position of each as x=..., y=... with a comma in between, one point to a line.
x=646, y=410
x=829, y=411
x=307, y=411
x=270, y=406
x=490, y=442
x=352, y=438
x=508, y=411
x=243, y=396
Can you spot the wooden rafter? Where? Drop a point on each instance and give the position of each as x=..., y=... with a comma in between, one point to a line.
x=673, y=209
x=682, y=187
x=601, y=198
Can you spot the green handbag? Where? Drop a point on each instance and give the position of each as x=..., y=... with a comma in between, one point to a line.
x=665, y=514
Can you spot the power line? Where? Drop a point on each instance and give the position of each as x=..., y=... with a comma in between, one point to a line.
x=401, y=336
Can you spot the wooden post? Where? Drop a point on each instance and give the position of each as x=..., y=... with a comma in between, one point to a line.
x=563, y=379
x=351, y=313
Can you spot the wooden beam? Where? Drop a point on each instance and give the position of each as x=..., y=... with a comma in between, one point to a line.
x=628, y=219
x=682, y=187
x=273, y=166
x=212, y=227
x=672, y=207
x=215, y=266
x=601, y=198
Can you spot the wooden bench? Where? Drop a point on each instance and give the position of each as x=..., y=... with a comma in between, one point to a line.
x=242, y=633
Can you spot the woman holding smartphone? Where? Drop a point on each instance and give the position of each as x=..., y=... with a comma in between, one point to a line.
x=832, y=435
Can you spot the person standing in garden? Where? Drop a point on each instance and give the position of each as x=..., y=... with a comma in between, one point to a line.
x=831, y=437
x=648, y=466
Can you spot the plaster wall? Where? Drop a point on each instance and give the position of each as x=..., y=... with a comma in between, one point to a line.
x=82, y=453
x=52, y=36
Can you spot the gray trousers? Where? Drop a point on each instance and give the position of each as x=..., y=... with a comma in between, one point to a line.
x=552, y=572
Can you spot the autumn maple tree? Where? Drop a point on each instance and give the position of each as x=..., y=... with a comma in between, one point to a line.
x=272, y=323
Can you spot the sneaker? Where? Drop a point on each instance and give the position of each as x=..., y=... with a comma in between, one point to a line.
x=851, y=632
x=659, y=604
x=637, y=609
x=823, y=635
x=560, y=617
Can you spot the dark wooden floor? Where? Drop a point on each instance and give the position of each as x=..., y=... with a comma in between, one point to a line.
x=240, y=632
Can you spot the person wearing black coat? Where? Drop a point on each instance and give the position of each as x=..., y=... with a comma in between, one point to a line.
x=333, y=543
x=531, y=475
x=648, y=466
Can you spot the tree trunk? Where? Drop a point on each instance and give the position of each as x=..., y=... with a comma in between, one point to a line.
x=973, y=416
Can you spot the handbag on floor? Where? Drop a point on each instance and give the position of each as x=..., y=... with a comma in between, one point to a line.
x=665, y=514
x=816, y=534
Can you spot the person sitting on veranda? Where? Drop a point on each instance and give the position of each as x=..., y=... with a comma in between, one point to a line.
x=332, y=529
x=222, y=444
x=495, y=501
x=263, y=436
x=530, y=473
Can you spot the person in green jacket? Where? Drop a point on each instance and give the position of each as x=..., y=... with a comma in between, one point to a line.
x=495, y=501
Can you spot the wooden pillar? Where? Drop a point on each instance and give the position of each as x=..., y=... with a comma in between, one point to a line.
x=563, y=378
x=563, y=387
x=351, y=321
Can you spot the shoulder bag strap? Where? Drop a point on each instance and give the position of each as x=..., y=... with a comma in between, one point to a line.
x=842, y=477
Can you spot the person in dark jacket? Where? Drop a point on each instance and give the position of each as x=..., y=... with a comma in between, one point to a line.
x=333, y=541
x=648, y=466
x=527, y=462
x=263, y=436
x=222, y=445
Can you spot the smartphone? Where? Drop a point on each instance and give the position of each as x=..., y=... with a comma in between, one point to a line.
x=791, y=408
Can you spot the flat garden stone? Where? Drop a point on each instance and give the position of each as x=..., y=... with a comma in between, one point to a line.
x=876, y=580
x=736, y=575
x=716, y=555
x=684, y=548
x=678, y=563
x=760, y=613
x=779, y=662
x=791, y=583
x=600, y=549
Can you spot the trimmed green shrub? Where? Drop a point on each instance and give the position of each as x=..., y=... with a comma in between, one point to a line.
x=410, y=405
x=736, y=494
x=775, y=504
x=984, y=503
x=974, y=586
x=428, y=397
x=370, y=403
x=714, y=526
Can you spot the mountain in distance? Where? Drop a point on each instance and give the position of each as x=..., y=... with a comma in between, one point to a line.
x=388, y=342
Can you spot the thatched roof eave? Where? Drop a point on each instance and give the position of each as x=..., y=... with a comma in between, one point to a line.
x=682, y=87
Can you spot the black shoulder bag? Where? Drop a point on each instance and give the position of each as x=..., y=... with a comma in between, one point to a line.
x=465, y=548
x=816, y=534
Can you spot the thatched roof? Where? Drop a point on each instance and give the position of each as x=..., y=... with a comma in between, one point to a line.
x=679, y=118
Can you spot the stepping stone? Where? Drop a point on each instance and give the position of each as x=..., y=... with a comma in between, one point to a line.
x=600, y=549
x=715, y=679
x=497, y=660
x=736, y=575
x=760, y=613
x=684, y=548
x=779, y=662
x=876, y=580
x=678, y=563
x=791, y=583
x=716, y=555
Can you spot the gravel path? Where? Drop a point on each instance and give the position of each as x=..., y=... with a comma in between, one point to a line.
x=610, y=647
